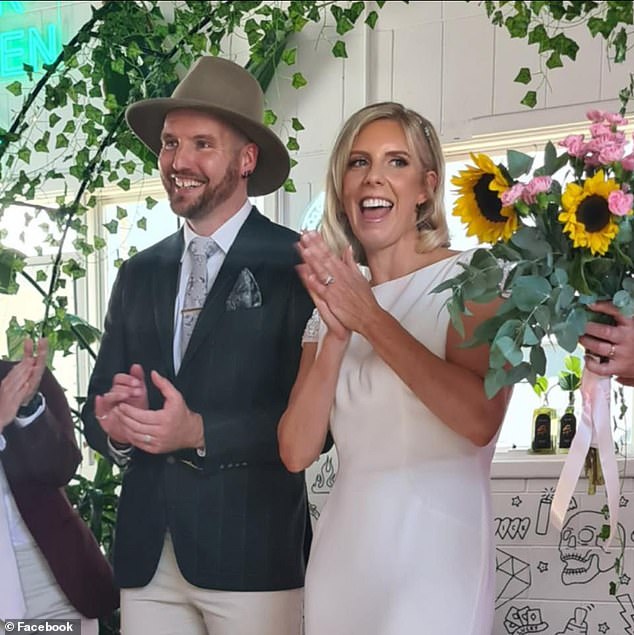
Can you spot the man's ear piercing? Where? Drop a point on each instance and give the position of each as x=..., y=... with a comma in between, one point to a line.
x=246, y=174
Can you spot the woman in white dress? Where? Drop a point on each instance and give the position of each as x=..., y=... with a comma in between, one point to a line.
x=404, y=544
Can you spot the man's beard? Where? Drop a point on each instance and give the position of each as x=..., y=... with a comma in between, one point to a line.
x=211, y=197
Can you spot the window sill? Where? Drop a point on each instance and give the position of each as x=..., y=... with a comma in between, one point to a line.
x=523, y=464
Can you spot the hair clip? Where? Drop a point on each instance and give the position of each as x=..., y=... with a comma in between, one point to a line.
x=427, y=131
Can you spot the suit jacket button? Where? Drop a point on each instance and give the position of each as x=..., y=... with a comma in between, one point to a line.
x=229, y=466
x=222, y=466
x=171, y=460
x=244, y=464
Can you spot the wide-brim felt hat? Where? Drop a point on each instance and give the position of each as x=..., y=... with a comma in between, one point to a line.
x=228, y=91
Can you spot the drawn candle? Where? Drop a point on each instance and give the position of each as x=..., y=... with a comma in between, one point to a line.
x=576, y=625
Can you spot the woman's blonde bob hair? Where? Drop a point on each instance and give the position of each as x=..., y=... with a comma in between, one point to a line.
x=423, y=143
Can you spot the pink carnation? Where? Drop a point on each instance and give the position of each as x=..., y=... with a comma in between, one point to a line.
x=510, y=196
x=600, y=130
x=534, y=187
x=610, y=153
x=596, y=116
x=620, y=203
x=574, y=145
x=615, y=119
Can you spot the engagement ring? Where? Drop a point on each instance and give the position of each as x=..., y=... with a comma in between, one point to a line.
x=612, y=350
x=147, y=439
x=329, y=280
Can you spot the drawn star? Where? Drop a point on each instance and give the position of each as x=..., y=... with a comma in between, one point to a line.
x=624, y=579
x=516, y=502
x=542, y=566
x=624, y=501
x=603, y=627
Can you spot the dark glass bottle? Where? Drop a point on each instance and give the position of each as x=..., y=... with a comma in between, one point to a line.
x=567, y=426
x=544, y=430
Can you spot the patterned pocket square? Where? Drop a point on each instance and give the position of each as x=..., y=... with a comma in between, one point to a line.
x=245, y=293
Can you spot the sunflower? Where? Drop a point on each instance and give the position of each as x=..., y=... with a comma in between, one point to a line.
x=586, y=217
x=479, y=206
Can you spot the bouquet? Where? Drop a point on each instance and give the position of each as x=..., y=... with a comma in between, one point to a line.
x=561, y=238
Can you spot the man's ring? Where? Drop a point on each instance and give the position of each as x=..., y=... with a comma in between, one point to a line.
x=329, y=280
x=612, y=351
x=147, y=439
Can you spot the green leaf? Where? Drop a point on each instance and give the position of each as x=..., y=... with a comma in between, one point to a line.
x=142, y=223
x=518, y=163
x=150, y=202
x=339, y=49
x=298, y=80
x=494, y=382
x=530, y=291
x=554, y=61
x=41, y=145
x=15, y=88
x=289, y=56
x=524, y=76
x=112, y=226
x=538, y=360
x=53, y=118
x=124, y=184
x=620, y=45
x=269, y=117
x=541, y=385
x=296, y=124
x=289, y=185
x=61, y=141
x=122, y=212
x=529, y=99
x=24, y=154
x=292, y=144
x=509, y=349
x=373, y=16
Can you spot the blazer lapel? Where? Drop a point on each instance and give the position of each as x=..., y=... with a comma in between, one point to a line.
x=165, y=286
x=245, y=252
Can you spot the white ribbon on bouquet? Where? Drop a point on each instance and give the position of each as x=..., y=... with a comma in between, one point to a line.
x=594, y=430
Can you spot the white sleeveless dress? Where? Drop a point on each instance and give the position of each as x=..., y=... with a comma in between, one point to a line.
x=404, y=544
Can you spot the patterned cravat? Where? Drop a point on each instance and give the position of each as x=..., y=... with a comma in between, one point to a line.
x=200, y=249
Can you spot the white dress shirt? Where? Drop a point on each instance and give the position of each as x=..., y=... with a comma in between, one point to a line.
x=224, y=237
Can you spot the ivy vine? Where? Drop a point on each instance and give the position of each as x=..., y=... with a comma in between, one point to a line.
x=544, y=23
x=73, y=115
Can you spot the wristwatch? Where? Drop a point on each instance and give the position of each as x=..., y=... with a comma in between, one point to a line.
x=30, y=408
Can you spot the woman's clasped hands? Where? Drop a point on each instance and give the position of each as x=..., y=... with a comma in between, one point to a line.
x=339, y=290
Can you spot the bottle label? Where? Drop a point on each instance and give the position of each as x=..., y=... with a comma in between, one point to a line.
x=567, y=429
x=541, y=436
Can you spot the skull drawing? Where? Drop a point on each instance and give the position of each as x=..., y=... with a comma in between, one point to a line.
x=582, y=549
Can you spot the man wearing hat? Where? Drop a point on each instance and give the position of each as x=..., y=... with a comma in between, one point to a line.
x=200, y=350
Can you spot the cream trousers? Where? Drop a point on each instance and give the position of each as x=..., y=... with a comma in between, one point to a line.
x=169, y=605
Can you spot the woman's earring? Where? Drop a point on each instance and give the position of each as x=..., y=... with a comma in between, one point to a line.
x=246, y=174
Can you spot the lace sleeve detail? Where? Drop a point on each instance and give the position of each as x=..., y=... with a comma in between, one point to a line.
x=311, y=332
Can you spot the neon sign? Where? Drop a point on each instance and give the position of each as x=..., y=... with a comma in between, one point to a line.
x=27, y=37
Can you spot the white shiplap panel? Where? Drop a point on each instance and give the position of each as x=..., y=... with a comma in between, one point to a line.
x=381, y=66
x=467, y=70
x=417, y=75
x=355, y=69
